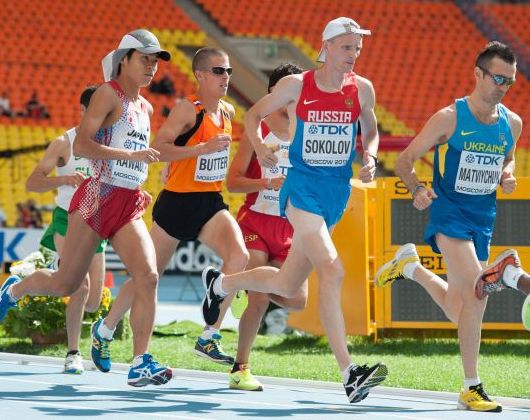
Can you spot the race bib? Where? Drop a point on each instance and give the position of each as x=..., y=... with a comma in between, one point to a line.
x=268, y=200
x=129, y=172
x=327, y=144
x=478, y=173
x=212, y=167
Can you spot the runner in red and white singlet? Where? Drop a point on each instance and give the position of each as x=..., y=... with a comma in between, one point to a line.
x=114, y=133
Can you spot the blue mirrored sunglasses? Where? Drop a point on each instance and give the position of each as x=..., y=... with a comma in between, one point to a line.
x=498, y=79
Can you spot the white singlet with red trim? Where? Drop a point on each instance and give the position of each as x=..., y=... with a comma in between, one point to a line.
x=131, y=132
x=74, y=164
x=268, y=200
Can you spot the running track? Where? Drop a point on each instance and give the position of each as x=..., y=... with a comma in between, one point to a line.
x=33, y=387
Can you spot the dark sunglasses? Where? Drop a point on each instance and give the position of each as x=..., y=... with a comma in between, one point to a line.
x=498, y=79
x=221, y=70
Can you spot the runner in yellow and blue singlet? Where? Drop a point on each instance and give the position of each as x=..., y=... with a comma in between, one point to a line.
x=467, y=172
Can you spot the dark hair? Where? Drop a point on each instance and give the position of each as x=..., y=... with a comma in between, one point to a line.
x=203, y=55
x=495, y=49
x=128, y=56
x=281, y=71
x=84, y=99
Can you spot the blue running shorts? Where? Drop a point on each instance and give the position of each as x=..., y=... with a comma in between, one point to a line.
x=324, y=196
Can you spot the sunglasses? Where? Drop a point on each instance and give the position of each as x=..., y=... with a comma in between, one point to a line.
x=498, y=79
x=220, y=70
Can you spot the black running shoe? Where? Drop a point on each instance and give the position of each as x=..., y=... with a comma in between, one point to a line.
x=211, y=302
x=362, y=379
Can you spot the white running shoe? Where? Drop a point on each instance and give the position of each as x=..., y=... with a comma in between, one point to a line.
x=73, y=364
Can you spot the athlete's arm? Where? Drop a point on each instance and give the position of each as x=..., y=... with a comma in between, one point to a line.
x=437, y=130
x=369, y=133
x=57, y=154
x=287, y=90
x=236, y=181
x=180, y=120
x=508, y=181
x=103, y=104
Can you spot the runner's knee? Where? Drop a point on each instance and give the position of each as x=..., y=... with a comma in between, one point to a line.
x=237, y=261
x=288, y=289
x=82, y=291
x=70, y=288
x=296, y=304
x=331, y=273
x=148, y=280
x=258, y=302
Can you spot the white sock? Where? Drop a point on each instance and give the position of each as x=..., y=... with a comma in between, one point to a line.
x=137, y=360
x=511, y=275
x=408, y=269
x=105, y=332
x=346, y=372
x=218, y=286
x=408, y=250
x=471, y=382
x=209, y=332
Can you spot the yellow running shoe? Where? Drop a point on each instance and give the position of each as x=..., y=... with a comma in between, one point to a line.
x=526, y=313
x=244, y=380
x=393, y=270
x=476, y=399
x=239, y=304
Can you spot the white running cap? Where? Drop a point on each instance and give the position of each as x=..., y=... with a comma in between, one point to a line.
x=141, y=40
x=337, y=27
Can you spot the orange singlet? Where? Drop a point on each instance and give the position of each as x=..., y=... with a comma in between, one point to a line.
x=204, y=172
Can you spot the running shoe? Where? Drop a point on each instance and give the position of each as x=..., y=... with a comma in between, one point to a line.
x=393, y=270
x=239, y=304
x=211, y=302
x=211, y=349
x=490, y=279
x=6, y=302
x=100, y=351
x=476, y=399
x=525, y=314
x=244, y=380
x=73, y=364
x=146, y=370
x=362, y=379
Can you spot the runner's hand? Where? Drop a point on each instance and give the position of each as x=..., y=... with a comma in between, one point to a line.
x=266, y=156
x=423, y=198
x=216, y=144
x=276, y=183
x=367, y=172
x=74, y=180
x=148, y=155
x=508, y=183
x=148, y=198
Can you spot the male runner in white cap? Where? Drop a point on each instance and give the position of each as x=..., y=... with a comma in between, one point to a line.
x=324, y=107
x=114, y=133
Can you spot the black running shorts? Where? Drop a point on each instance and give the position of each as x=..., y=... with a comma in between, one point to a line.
x=183, y=215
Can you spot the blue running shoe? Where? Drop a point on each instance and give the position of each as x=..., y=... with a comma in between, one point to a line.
x=100, y=350
x=211, y=349
x=146, y=370
x=6, y=302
